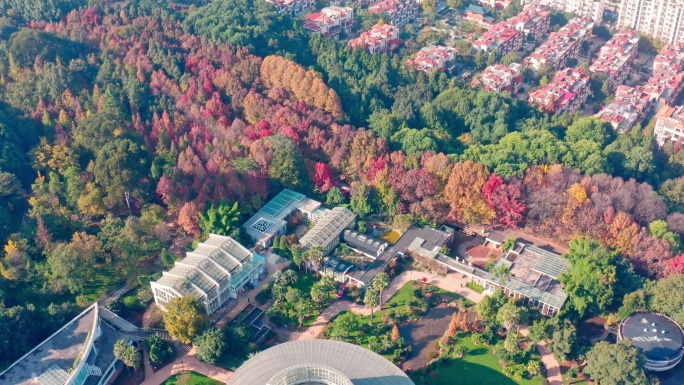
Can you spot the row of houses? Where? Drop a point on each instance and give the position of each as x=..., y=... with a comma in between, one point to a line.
x=561, y=45
x=498, y=78
x=631, y=104
x=567, y=92
x=396, y=12
x=507, y=36
x=381, y=38
x=615, y=57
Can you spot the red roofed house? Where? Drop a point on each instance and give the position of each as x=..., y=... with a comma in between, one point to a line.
x=534, y=21
x=396, y=12
x=616, y=56
x=379, y=39
x=627, y=109
x=498, y=78
x=478, y=16
x=330, y=21
x=669, y=125
x=561, y=45
x=294, y=8
x=566, y=93
x=433, y=58
x=667, y=80
x=500, y=39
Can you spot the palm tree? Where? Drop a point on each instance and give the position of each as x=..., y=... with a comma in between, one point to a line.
x=288, y=277
x=381, y=282
x=371, y=299
x=128, y=354
x=315, y=256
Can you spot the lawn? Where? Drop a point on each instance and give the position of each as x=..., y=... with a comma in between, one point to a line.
x=195, y=379
x=478, y=367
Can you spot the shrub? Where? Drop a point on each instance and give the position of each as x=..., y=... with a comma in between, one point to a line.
x=461, y=350
x=475, y=287
x=477, y=338
x=431, y=355
x=131, y=302
x=210, y=345
x=160, y=350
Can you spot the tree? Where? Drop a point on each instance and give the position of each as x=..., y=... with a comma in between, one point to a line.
x=371, y=299
x=334, y=197
x=380, y=283
x=185, y=318
x=510, y=315
x=591, y=280
x=120, y=167
x=314, y=256
x=128, y=354
x=464, y=193
x=487, y=308
x=72, y=265
x=160, y=350
x=319, y=292
x=188, y=218
x=303, y=308
x=616, y=364
x=667, y=296
x=429, y=6
x=395, y=333
x=563, y=342
x=360, y=196
x=210, y=345
x=167, y=258
x=220, y=219
x=346, y=323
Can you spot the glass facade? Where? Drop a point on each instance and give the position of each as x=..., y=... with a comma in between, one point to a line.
x=309, y=374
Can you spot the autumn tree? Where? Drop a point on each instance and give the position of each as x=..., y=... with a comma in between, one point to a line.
x=185, y=318
x=464, y=193
x=505, y=200
x=188, y=218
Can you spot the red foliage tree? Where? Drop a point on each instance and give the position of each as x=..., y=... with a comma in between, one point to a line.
x=322, y=177
x=504, y=199
x=675, y=265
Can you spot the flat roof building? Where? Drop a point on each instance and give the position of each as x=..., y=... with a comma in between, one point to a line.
x=80, y=353
x=667, y=80
x=661, y=19
x=592, y=9
x=318, y=361
x=396, y=12
x=533, y=20
x=326, y=232
x=658, y=337
x=271, y=220
x=214, y=272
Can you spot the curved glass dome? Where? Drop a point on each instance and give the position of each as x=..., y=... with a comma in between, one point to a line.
x=309, y=375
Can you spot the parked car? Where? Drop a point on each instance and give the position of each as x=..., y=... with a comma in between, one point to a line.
x=340, y=292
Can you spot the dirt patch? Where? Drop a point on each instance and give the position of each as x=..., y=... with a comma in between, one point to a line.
x=421, y=335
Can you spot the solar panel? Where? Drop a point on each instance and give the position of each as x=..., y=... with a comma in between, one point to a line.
x=54, y=376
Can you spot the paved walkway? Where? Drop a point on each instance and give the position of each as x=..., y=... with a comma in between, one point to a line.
x=183, y=363
x=553, y=372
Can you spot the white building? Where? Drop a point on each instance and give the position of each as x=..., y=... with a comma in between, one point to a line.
x=561, y=45
x=592, y=9
x=294, y=8
x=433, y=58
x=669, y=125
x=330, y=21
x=379, y=39
x=326, y=232
x=662, y=19
x=214, y=272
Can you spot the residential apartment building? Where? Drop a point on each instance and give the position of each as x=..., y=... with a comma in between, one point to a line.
x=627, y=109
x=498, y=78
x=330, y=21
x=567, y=92
x=294, y=8
x=396, y=12
x=379, y=39
x=533, y=21
x=499, y=38
x=501, y=4
x=615, y=57
x=561, y=45
x=214, y=272
x=592, y=9
x=433, y=58
x=667, y=80
x=662, y=19
x=669, y=125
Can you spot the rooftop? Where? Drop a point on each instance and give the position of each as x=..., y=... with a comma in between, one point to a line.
x=353, y=364
x=534, y=272
x=364, y=243
x=560, y=43
x=562, y=89
x=271, y=217
x=328, y=227
x=655, y=335
x=627, y=109
x=616, y=53
x=50, y=362
x=495, y=37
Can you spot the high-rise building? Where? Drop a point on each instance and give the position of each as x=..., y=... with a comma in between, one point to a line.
x=592, y=9
x=662, y=19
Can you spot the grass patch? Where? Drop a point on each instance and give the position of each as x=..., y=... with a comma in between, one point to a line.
x=479, y=367
x=231, y=362
x=391, y=236
x=194, y=379
x=475, y=287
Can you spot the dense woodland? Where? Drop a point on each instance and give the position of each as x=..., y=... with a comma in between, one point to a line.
x=118, y=118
